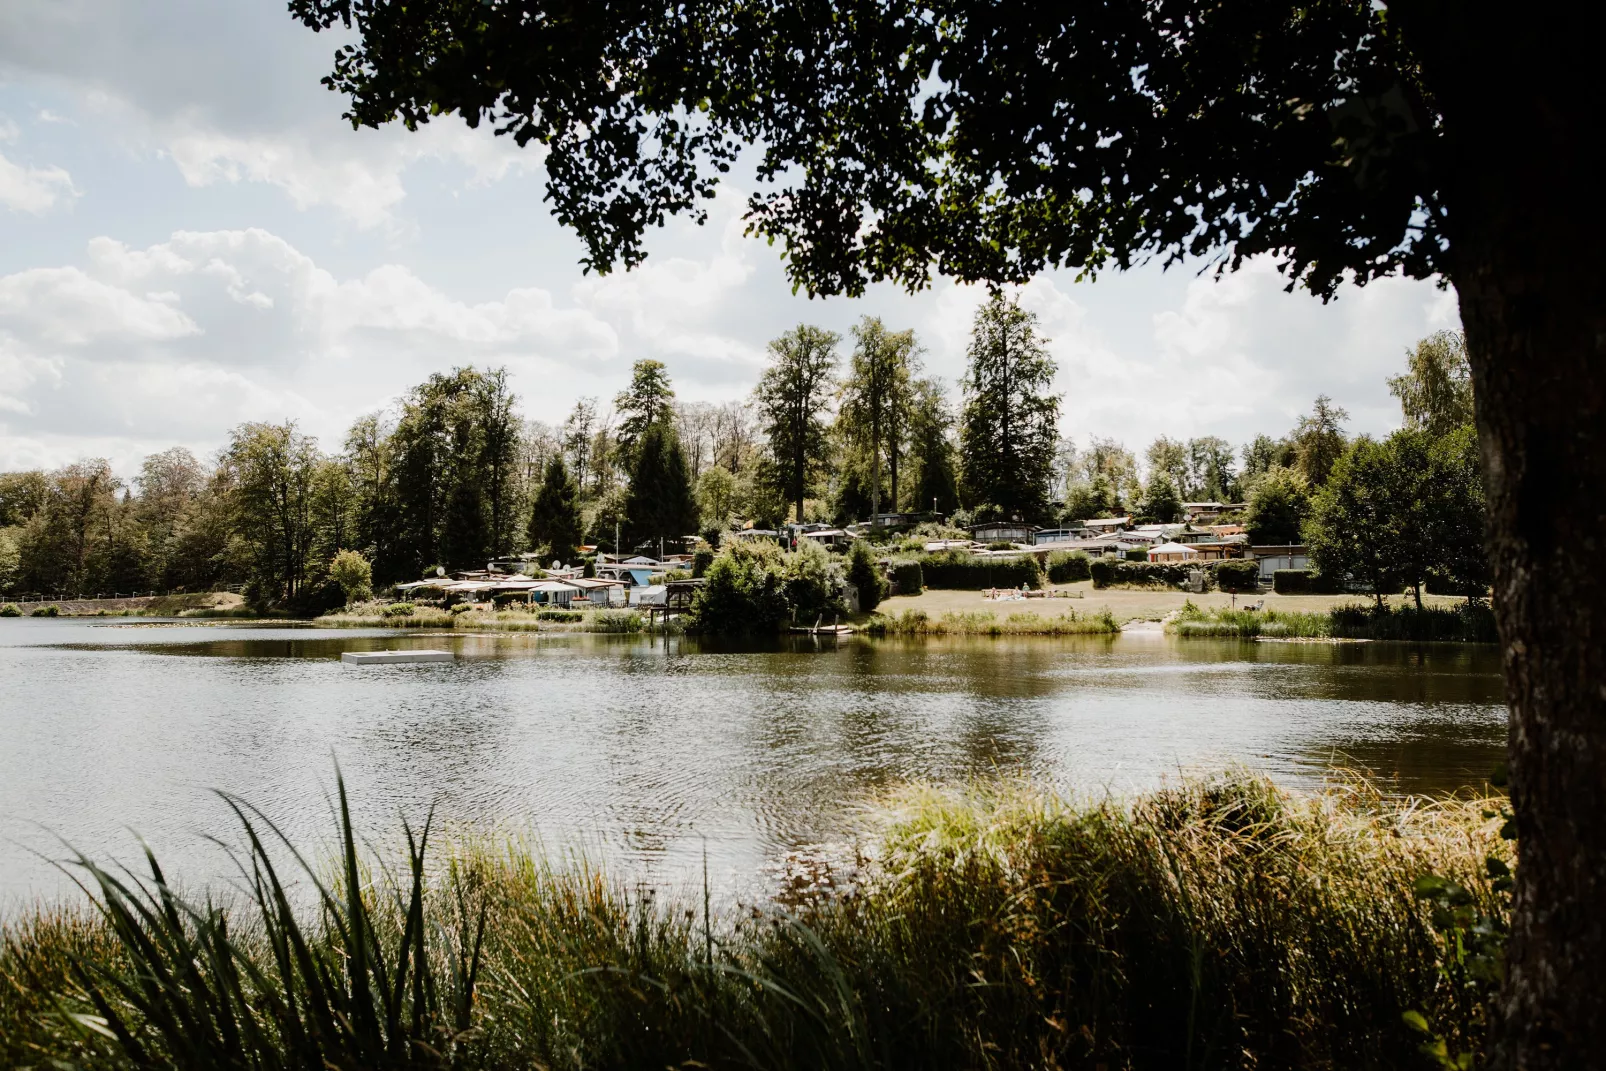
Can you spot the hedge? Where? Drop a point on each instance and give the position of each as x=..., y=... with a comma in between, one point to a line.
x=1068, y=566
x=907, y=578
x=1238, y=574
x=559, y=615
x=966, y=572
x=1302, y=582
x=1113, y=572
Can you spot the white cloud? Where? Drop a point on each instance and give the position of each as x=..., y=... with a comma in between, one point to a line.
x=35, y=190
x=188, y=337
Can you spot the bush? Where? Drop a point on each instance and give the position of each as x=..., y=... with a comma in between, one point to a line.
x=1114, y=573
x=10, y=609
x=46, y=611
x=956, y=570
x=1000, y=544
x=745, y=590
x=1069, y=566
x=701, y=559
x=354, y=575
x=1302, y=582
x=399, y=609
x=559, y=615
x=1238, y=575
x=1140, y=554
x=908, y=578
x=1471, y=622
x=865, y=574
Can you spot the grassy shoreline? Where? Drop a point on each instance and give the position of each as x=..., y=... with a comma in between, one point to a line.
x=1466, y=623
x=1215, y=924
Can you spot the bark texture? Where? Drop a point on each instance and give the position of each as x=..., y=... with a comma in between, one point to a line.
x=1522, y=107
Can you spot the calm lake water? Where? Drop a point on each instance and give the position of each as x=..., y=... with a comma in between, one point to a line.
x=646, y=752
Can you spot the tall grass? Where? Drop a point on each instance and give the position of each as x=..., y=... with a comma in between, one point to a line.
x=987, y=623
x=1223, y=923
x=1467, y=622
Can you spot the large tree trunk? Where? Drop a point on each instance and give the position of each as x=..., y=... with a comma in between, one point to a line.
x=1522, y=108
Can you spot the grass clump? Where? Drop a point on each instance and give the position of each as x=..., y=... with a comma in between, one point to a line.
x=10, y=609
x=1223, y=923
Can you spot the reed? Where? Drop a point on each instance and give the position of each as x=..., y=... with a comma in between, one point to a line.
x=1471, y=622
x=1221, y=923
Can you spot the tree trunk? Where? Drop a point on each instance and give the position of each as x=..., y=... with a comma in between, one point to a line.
x=1522, y=108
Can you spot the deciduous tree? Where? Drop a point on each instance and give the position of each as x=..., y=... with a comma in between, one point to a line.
x=1346, y=140
x=1435, y=392
x=792, y=396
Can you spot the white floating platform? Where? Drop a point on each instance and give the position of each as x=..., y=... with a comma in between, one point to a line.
x=387, y=658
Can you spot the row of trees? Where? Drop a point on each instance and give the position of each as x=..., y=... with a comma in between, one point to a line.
x=452, y=474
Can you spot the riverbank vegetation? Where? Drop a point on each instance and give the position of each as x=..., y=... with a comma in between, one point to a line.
x=988, y=623
x=516, y=618
x=1471, y=621
x=1221, y=923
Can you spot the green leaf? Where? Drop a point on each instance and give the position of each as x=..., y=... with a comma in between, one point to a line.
x=1415, y=1020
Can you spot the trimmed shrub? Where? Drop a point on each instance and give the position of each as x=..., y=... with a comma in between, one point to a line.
x=1108, y=573
x=399, y=609
x=46, y=611
x=1238, y=575
x=908, y=578
x=1302, y=582
x=1141, y=554
x=956, y=570
x=10, y=609
x=1069, y=566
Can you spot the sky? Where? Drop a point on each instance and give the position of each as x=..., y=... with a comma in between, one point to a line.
x=191, y=237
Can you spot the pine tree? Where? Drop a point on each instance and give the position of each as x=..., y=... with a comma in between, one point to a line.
x=1008, y=428
x=659, y=503
x=555, y=513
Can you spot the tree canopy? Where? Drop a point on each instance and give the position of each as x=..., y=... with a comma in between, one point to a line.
x=988, y=140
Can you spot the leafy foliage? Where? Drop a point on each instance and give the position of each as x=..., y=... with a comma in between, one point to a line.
x=865, y=575
x=792, y=396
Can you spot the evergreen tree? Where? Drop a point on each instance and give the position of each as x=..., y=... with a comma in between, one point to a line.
x=659, y=503
x=1160, y=504
x=641, y=405
x=1008, y=426
x=791, y=397
x=555, y=513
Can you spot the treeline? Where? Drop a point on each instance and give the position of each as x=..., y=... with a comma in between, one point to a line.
x=453, y=474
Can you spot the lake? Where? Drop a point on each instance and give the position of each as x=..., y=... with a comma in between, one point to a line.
x=650, y=754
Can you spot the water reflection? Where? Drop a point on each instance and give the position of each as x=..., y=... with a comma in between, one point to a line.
x=647, y=749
